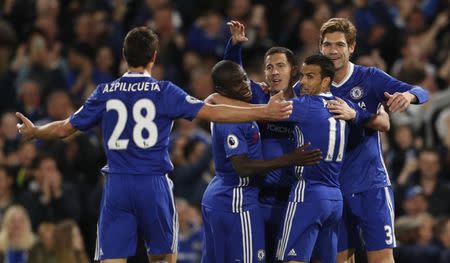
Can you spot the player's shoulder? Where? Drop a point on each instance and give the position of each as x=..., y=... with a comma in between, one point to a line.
x=229, y=127
x=363, y=70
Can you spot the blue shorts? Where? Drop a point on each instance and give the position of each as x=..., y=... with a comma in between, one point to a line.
x=369, y=215
x=233, y=237
x=273, y=215
x=132, y=203
x=310, y=231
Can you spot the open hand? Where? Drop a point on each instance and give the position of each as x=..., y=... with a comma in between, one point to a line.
x=341, y=110
x=306, y=157
x=237, y=30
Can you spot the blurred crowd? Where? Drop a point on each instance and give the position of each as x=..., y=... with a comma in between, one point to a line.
x=54, y=53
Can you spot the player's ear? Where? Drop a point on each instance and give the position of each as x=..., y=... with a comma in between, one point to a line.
x=351, y=47
x=154, y=56
x=326, y=81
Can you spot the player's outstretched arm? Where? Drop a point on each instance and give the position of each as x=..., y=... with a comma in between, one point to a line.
x=246, y=167
x=216, y=98
x=53, y=130
x=277, y=109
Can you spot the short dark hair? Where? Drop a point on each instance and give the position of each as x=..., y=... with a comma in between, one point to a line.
x=221, y=75
x=139, y=46
x=286, y=51
x=325, y=64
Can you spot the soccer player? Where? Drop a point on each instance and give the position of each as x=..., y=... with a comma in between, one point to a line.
x=137, y=113
x=277, y=138
x=368, y=197
x=315, y=201
x=233, y=224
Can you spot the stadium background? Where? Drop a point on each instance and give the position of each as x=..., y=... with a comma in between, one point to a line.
x=54, y=53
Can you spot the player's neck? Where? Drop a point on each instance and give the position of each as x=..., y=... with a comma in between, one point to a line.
x=341, y=73
x=147, y=69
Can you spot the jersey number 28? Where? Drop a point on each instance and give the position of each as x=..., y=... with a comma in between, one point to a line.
x=143, y=122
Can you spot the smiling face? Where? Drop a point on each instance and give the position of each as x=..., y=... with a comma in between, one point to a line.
x=241, y=85
x=312, y=81
x=230, y=80
x=335, y=46
x=278, y=72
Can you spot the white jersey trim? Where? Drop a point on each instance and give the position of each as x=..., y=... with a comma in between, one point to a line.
x=347, y=77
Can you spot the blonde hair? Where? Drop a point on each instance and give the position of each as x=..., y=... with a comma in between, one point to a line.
x=339, y=25
x=27, y=238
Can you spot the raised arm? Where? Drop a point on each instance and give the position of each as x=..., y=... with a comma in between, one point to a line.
x=233, y=49
x=53, y=130
x=246, y=167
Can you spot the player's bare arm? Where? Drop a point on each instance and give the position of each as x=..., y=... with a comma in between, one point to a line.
x=343, y=111
x=300, y=157
x=53, y=130
x=217, y=98
x=277, y=109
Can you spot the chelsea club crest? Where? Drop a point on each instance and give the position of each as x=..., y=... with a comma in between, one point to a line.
x=356, y=93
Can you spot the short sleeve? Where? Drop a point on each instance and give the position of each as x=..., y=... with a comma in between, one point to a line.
x=234, y=140
x=179, y=104
x=90, y=113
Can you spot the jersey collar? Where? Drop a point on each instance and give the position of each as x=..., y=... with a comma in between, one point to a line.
x=349, y=74
x=136, y=74
x=326, y=94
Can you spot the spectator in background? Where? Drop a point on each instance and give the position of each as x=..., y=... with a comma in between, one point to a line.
x=79, y=74
x=68, y=242
x=29, y=100
x=429, y=177
x=49, y=198
x=21, y=171
x=39, y=64
x=208, y=34
x=104, y=62
x=44, y=249
x=16, y=237
x=7, y=196
x=401, y=158
x=414, y=202
x=8, y=132
x=414, y=236
x=190, y=239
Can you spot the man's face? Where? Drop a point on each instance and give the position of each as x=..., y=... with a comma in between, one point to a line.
x=335, y=47
x=311, y=80
x=241, y=86
x=278, y=72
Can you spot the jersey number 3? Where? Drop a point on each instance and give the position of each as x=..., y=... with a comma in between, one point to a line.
x=143, y=122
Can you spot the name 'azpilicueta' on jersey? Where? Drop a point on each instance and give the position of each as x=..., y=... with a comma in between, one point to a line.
x=133, y=87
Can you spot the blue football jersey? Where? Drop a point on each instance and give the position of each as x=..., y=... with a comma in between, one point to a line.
x=228, y=191
x=324, y=132
x=136, y=113
x=363, y=167
x=278, y=138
